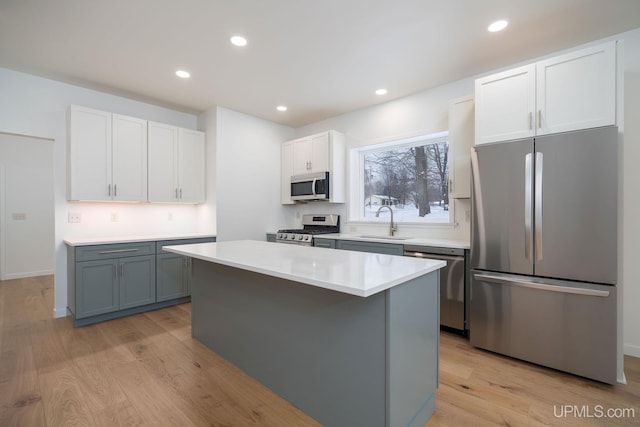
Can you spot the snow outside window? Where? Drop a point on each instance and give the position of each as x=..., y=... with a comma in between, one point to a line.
x=411, y=176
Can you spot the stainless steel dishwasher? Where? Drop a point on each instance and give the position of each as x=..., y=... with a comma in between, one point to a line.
x=453, y=293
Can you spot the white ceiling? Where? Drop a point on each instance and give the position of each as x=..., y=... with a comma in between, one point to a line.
x=320, y=58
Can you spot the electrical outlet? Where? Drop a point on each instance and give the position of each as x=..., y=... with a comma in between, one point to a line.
x=19, y=216
x=74, y=218
x=353, y=228
x=114, y=217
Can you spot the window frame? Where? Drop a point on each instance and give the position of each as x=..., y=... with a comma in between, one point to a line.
x=356, y=179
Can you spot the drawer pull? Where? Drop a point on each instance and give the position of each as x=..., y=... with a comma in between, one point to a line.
x=116, y=251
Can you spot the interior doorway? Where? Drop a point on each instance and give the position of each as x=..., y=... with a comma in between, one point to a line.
x=27, y=226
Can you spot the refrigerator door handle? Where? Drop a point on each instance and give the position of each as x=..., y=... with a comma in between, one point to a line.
x=527, y=206
x=541, y=286
x=538, y=206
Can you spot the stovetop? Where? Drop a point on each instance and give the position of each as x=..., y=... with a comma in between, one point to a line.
x=312, y=225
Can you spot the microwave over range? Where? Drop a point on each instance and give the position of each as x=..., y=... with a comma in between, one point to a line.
x=310, y=186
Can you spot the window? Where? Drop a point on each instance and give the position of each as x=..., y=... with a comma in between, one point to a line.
x=410, y=176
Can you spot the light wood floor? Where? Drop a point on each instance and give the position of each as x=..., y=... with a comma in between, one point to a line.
x=147, y=370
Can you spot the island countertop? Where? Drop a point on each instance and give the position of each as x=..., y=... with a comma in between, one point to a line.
x=356, y=273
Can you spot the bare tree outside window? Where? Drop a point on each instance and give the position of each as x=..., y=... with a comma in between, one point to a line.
x=412, y=180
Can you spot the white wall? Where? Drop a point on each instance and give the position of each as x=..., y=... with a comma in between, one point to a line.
x=26, y=206
x=247, y=174
x=35, y=106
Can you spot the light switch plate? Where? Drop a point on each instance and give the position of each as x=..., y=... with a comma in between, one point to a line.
x=74, y=217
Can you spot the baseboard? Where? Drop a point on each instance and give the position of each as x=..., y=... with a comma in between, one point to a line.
x=27, y=274
x=632, y=350
x=60, y=312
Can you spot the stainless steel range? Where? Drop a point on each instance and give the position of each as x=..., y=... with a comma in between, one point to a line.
x=312, y=225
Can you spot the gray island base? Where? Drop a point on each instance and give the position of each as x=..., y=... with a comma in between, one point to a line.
x=345, y=360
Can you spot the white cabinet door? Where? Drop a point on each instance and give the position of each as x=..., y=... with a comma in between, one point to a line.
x=461, y=137
x=163, y=162
x=505, y=103
x=577, y=90
x=311, y=154
x=286, y=170
x=129, y=158
x=191, y=166
x=89, y=154
x=302, y=153
x=320, y=152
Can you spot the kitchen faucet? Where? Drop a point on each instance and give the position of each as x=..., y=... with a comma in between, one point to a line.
x=392, y=227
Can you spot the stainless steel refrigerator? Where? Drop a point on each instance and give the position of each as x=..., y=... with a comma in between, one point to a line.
x=544, y=251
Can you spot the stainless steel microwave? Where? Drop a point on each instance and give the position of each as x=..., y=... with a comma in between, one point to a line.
x=310, y=186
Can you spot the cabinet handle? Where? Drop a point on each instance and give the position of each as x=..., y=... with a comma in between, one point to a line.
x=181, y=194
x=450, y=185
x=115, y=190
x=109, y=190
x=530, y=120
x=122, y=270
x=540, y=119
x=115, y=269
x=115, y=251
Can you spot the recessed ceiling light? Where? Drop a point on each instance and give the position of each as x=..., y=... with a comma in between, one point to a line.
x=498, y=26
x=239, y=41
x=281, y=108
x=183, y=74
x=381, y=92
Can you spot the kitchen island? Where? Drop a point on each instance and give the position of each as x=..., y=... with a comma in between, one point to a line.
x=350, y=338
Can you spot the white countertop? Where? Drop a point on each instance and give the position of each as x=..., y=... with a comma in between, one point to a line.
x=420, y=241
x=85, y=241
x=356, y=273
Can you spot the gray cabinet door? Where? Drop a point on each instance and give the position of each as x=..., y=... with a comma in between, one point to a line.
x=379, y=248
x=97, y=290
x=137, y=281
x=172, y=280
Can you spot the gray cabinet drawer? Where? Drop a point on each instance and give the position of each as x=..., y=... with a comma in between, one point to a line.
x=380, y=248
x=174, y=242
x=324, y=243
x=115, y=250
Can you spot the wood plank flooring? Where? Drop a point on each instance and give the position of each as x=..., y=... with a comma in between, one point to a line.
x=146, y=370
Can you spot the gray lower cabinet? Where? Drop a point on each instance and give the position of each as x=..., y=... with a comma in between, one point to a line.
x=114, y=284
x=173, y=278
x=137, y=281
x=115, y=280
x=271, y=237
x=379, y=248
x=97, y=290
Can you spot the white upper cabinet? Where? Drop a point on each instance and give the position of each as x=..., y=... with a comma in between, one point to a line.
x=163, y=164
x=311, y=154
x=322, y=152
x=577, y=90
x=107, y=156
x=461, y=136
x=129, y=158
x=89, y=154
x=191, y=166
x=564, y=93
x=504, y=105
x=176, y=164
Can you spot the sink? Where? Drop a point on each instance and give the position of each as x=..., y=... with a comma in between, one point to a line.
x=378, y=236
